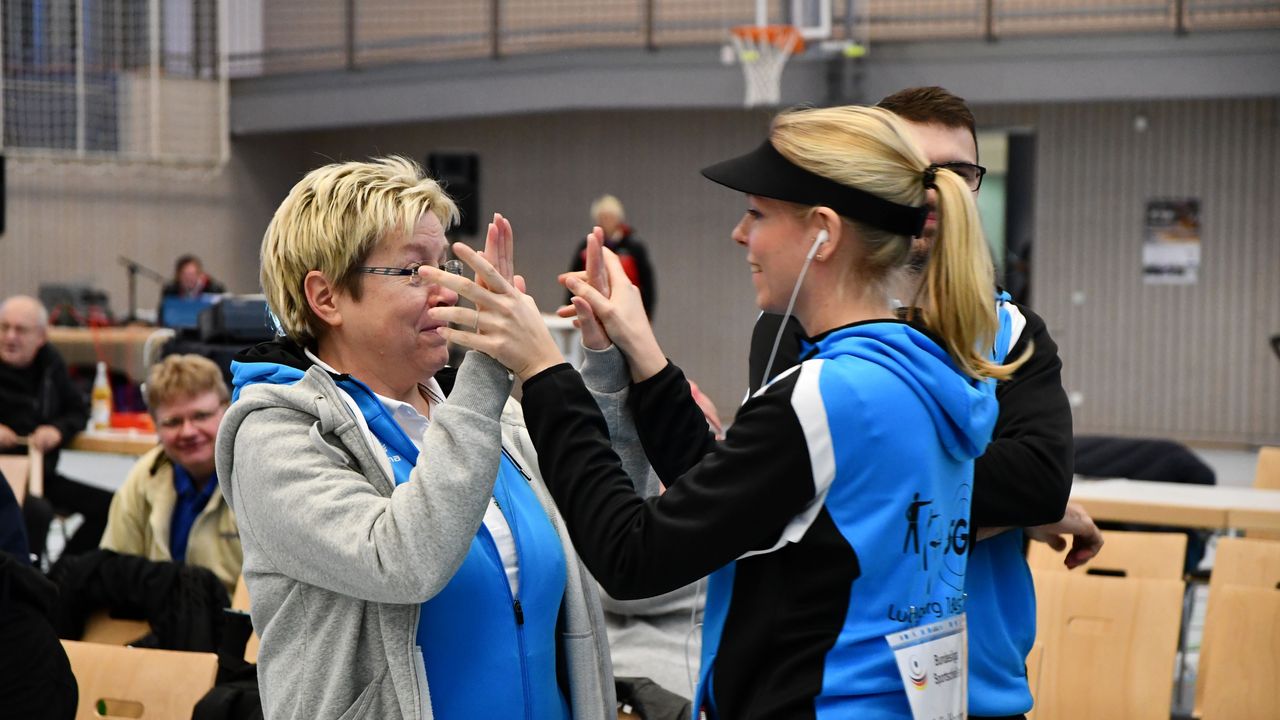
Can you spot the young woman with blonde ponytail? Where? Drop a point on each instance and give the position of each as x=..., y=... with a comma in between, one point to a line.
x=832, y=519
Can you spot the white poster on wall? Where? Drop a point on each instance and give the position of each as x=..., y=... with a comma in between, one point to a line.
x=1171, y=242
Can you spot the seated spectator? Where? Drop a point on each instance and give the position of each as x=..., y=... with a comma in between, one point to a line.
x=35, y=675
x=40, y=407
x=190, y=280
x=169, y=507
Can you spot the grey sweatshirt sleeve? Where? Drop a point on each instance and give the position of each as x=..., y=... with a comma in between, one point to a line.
x=305, y=494
x=607, y=377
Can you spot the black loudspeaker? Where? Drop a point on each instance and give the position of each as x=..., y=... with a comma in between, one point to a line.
x=459, y=173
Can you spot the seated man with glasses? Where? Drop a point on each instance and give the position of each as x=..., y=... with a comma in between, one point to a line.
x=170, y=507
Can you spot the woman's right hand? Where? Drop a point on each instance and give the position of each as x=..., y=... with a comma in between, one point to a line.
x=622, y=315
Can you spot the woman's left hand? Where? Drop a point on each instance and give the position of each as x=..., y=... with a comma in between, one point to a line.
x=506, y=324
x=596, y=274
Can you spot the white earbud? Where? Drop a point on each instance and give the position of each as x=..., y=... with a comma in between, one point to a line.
x=821, y=238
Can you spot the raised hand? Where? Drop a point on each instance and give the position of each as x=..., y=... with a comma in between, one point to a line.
x=623, y=317
x=505, y=324
x=500, y=249
x=596, y=274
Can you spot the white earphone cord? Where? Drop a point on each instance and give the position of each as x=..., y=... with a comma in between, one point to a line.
x=791, y=305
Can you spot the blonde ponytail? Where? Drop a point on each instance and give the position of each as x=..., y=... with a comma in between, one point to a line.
x=958, y=282
x=870, y=149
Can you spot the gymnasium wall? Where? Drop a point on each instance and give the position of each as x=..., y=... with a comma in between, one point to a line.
x=1182, y=361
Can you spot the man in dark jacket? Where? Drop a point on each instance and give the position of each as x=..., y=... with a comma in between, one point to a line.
x=40, y=408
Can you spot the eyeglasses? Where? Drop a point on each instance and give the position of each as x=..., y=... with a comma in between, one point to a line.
x=970, y=173
x=453, y=267
x=177, y=421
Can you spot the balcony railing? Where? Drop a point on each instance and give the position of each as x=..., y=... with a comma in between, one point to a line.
x=316, y=35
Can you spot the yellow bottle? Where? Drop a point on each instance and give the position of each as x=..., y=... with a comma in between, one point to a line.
x=100, y=404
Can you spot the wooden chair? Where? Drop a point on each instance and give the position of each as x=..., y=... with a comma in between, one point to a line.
x=1240, y=684
x=100, y=627
x=125, y=682
x=1267, y=477
x=240, y=601
x=1108, y=646
x=1241, y=562
x=17, y=470
x=1126, y=554
x=1267, y=474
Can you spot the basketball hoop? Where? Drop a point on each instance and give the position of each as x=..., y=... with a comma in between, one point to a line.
x=763, y=51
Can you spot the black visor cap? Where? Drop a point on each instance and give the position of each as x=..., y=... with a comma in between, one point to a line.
x=765, y=172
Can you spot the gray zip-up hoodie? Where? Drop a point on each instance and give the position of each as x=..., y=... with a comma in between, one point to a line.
x=338, y=559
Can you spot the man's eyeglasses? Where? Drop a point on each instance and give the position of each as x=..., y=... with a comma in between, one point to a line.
x=453, y=267
x=970, y=173
x=197, y=418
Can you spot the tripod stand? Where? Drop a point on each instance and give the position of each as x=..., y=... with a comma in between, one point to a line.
x=135, y=268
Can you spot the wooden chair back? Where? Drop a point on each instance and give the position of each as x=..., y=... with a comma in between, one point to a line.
x=125, y=682
x=17, y=470
x=240, y=601
x=1108, y=646
x=1267, y=474
x=1151, y=555
x=1245, y=562
x=100, y=627
x=1241, y=684
x=1267, y=477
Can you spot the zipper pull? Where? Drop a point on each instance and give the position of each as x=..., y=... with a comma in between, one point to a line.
x=519, y=613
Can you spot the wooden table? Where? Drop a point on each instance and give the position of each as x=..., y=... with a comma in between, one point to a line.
x=1160, y=503
x=121, y=442
x=130, y=349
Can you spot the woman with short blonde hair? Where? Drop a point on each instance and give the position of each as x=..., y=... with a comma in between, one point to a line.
x=403, y=558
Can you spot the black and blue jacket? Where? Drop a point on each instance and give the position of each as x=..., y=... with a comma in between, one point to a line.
x=834, y=512
x=1022, y=480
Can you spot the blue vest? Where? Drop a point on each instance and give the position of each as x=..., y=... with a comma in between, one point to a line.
x=1001, y=605
x=486, y=652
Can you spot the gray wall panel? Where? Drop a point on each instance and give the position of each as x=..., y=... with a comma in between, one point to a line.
x=1188, y=362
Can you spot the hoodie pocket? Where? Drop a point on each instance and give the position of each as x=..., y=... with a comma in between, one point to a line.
x=366, y=697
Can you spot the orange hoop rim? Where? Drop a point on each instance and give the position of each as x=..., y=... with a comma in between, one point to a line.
x=779, y=36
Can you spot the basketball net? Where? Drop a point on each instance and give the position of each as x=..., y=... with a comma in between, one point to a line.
x=763, y=51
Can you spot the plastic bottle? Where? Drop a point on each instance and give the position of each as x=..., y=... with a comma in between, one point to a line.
x=100, y=405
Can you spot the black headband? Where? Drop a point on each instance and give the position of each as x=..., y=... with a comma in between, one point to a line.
x=765, y=172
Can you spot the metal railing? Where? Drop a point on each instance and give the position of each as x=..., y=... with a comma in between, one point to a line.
x=134, y=80
x=317, y=35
